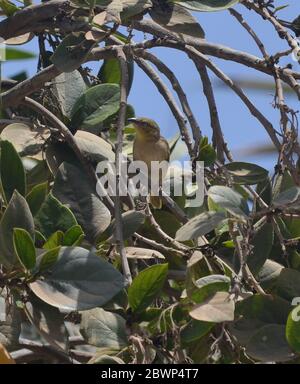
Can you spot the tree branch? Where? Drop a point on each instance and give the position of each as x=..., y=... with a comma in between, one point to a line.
x=119, y=145
x=34, y=105
x=180, y=93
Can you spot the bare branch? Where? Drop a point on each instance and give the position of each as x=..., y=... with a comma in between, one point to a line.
x=251, y=32
x=167, y=95
x=218, y=139
x=180, y=93
x=119, y=144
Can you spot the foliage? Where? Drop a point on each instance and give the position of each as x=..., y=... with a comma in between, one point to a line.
x=211, y=284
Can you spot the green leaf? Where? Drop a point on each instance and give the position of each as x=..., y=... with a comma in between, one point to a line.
x=266, y=309
x=283, y=182
x=146, y=286
x=103, y=329
x=208, y=285
x=94, y=147
x=39, y=239
x=55, y=240
x=48, y=258
x=264, y=190
x=36, y=197
x=229, y=200
x=73, y=236
x=54, y=216
x=18, y=54
x=79, y=280
x=246, y=173
x=68, y=87
x=48, y=327
x=24, y=248
x=256, y=312
x=12, y=170
x=38, y=174
x=124, y=9
x=290, y=197
x=216, y=309
x=200, y=225
x=16, y=215
x=269, y=273
x=288, y=284
x=292, y=329
x=95, y=105
x=194, y=331
x=207, y=5
x=8, y=7
x=20, y=76
x=72, y=52
x=110, y=72
x=269, y=344
x=81, y=198
x=206, y=152
x=176, y=19
x=262, y=245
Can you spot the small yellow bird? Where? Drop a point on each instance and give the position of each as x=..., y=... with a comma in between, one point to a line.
x=150, y=146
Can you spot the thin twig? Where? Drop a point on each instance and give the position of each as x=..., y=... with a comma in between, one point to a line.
x=32, y=104
x=119, y=146
x=180, y=93
x=168, y=239
x=218, y=138
x=167, y=95
x=156, y=245
x=251, y=32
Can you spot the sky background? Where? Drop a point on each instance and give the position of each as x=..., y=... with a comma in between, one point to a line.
x=242, y=131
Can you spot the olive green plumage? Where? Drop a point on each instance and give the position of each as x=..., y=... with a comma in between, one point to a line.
x=150, y=146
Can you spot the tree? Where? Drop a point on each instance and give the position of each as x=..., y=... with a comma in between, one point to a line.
x=104, y=279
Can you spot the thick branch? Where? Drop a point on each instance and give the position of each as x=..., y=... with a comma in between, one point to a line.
x=16, y=94
x=212, y=49
x=25, y=20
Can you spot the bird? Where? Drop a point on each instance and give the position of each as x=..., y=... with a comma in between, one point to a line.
x=150, y=146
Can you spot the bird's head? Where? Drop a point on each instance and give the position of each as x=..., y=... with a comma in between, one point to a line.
x=146, y=129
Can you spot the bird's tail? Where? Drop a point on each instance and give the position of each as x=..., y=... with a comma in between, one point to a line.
x=156, y=202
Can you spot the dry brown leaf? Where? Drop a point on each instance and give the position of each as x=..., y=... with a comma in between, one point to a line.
x=18, y=40
x=5, y=357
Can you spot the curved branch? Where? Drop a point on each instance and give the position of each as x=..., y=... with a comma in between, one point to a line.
x=16, y=94
x=47, y=15
x=167, y=95
x=218, y=139
x=119, y=145
x=195, y=55
x=180, y=93
x=34, y=105
x=212, y=49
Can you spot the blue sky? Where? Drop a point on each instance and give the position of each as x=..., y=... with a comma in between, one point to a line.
x=241, y=130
